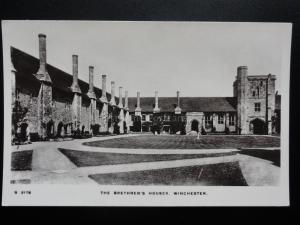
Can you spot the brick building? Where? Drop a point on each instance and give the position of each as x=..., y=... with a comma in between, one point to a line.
x=48, y=102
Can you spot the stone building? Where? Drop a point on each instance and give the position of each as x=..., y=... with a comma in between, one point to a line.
x=48, y=102
x=251, y=110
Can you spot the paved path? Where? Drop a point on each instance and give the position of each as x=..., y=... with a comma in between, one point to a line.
x=77, y=144
x=49, y=165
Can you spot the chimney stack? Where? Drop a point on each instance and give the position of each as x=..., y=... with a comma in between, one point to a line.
x=75, y=87
x=103, y=97
x=156, y=109
x=126, y=100
x=242, y=71
x=42, y=73
x=138, y=105
x=120, y=105
x=113, y=100
x=178, y=109
x=91, y=92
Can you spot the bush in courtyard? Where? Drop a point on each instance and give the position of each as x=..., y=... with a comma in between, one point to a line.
x=203, y=131
x=116, y=128
x=213, y=129
x=227, y=130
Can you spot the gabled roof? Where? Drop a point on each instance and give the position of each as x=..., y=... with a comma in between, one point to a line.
x=187, y=104
x=27, y=65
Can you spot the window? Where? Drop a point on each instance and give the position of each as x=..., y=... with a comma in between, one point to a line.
x=257, y=92
x=221, y=119
x=167, y=118
x=253, y=93
x=208, y=120
x=231, y=120
x=132, y=117
x=257, y=107
x=143, y=117
x=151, y=117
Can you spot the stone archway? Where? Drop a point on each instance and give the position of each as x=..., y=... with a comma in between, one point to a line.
x=195, y=125
x=60, y=127
x=23, y=134
x=50, y=129
x=258, y=126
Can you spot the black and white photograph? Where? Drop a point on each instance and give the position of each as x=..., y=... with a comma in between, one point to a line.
x=146, y=113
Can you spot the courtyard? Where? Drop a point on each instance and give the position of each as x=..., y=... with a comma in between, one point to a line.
x=146, y=159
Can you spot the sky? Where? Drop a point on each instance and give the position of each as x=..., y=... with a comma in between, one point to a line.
x=197, y=59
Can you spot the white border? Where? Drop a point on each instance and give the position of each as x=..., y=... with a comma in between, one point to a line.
x=81, y=195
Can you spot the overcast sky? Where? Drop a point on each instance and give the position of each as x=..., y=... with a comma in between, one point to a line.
x=198, y=59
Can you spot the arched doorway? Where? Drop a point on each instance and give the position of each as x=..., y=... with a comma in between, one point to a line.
x=259, y=126
x=59, y=129
x=23, y=131
x=50, y=126
x=195, y=125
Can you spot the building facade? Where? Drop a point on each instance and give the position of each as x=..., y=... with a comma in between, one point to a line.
x=253, y=109
x=48, y=102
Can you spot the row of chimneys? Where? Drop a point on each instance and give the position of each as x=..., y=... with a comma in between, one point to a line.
x=43, y=75
x=156, y=108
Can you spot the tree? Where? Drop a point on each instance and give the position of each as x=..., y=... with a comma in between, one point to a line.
x=18, y=114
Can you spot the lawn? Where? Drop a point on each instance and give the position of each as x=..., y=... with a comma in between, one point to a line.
x=21, y=160
x=188, y=142
x=273, y=155
x=83, y=158
x=222, y=174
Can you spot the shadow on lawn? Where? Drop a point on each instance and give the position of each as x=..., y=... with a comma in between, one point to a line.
x=271, y=155
x=221, y=174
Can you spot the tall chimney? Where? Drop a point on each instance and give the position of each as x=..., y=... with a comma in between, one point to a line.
x=103, y=97
x=138, y=105
x=91, y=92
x=42, y=73
x=156, y=109
x=120, y=105
x=126, y=100
x=242, y=71
x=178, y=109
x=113, y=100
x=75, y=87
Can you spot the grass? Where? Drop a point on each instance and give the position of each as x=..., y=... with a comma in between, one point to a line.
x=222, y=174
x=21, y=160
x=271, y=155
x=83, y=158
x=188, y=142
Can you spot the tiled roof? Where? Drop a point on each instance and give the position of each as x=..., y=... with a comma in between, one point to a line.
x=27, y=65
x=187, y=104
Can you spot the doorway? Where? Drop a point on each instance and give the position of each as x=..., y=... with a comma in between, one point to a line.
x=195, y=125
x=259, y=126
